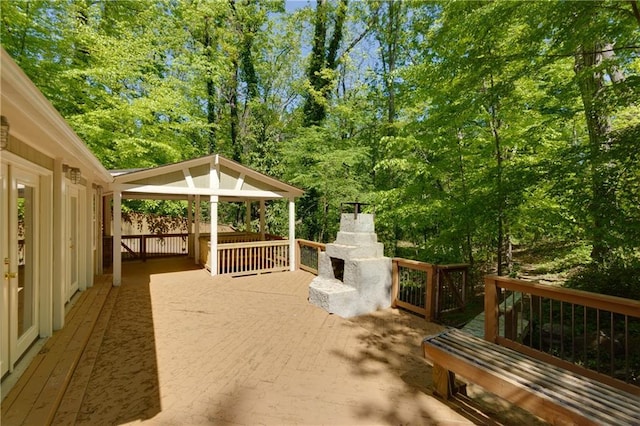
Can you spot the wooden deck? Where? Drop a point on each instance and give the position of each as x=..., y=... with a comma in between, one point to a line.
x=35, y=397
x=173, y=345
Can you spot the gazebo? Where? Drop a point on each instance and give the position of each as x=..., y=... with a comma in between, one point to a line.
x=214, y=178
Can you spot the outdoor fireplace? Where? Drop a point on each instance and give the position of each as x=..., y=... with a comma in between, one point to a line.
x=354, y=277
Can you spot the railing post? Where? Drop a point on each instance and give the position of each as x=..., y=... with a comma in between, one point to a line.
x=143, y=247
x=430, y=293
x=438, y=290
x=298, y=253
x=318, y=251
x=510, y=320
x=464, y=286
x=491, y=309
x=395, y=282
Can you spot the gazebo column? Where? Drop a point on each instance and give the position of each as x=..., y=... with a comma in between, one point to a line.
x=117, y=238
x=213, y=246
x=262, y=231
x=196, y=234
x=292, y=234
x=190, y=239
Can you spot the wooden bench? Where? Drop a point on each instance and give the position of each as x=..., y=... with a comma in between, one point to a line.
x=556, y=395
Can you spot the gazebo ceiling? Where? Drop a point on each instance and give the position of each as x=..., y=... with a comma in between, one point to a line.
x=212, y=175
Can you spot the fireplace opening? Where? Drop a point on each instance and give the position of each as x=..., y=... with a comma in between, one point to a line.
x=338, y=268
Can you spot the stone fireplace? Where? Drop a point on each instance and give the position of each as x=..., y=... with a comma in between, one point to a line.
x=354, y=277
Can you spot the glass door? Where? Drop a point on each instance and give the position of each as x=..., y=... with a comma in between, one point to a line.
x=72, y=238
x=23, y=282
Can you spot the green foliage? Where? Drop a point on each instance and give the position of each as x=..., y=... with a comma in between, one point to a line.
x=469, y=137
x=619, y=276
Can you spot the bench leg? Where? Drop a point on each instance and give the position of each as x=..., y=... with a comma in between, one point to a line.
x=445, y=383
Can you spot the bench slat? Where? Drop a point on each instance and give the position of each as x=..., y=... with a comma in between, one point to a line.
x=554, y=378
x=604, y=390
x=581, y=396
x=518, y=375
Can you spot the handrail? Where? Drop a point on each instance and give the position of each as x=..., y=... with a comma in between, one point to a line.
x=579, y=297
x=415, y=264
x=313, y=244
x=252, y=244
x=581, y=331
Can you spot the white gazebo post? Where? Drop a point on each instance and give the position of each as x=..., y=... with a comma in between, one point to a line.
x=214, y=183
x=213, y=246
x=262, y=232
x=292, y=234
x=196, y=235
x=117, y=238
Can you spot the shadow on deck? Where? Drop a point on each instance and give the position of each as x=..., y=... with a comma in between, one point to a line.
x=173, y=345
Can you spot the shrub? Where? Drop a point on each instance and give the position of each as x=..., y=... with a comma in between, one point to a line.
x=618, y=277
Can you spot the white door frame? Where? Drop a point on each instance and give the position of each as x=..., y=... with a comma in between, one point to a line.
x=72, y=239
x=19, y=344
x=4, y=269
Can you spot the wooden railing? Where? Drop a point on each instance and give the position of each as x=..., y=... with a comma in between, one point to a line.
x=143, y=247
x=308, y=254
x=595, y=335
x=428, y=289
x=248, y=257
x=412, y=286
x=242, y=237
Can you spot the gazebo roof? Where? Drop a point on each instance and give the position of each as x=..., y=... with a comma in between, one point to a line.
x=212, y=175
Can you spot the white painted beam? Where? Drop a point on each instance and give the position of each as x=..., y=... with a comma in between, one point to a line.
x=213, y=246
x=188, y=178
x=98, y=230
x=190, y=240
x=117, y=238
x=47, y=283
x=197, y=232
x=213, y=191
x=292, y=234
x=59, y=246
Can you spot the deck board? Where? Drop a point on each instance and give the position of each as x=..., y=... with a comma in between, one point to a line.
x=173, y=345
x=35, y=397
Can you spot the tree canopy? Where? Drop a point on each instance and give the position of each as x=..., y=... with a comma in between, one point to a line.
x=474, y=127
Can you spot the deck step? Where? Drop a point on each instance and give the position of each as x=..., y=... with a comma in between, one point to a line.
x=69, y=407
x=37, y=394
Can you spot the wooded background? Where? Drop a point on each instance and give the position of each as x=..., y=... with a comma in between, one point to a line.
x=475, y=128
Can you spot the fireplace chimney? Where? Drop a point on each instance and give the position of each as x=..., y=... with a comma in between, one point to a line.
x=354, y=277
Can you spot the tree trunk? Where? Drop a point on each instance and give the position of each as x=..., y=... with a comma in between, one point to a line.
x=313, y=111
x=636, y=11
x=23, y=34
x=388, y=39
x=211, y=90
x=233, y=109
x=591, y=83
x=495, y=124
x=465, y=199
x=322, y=58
